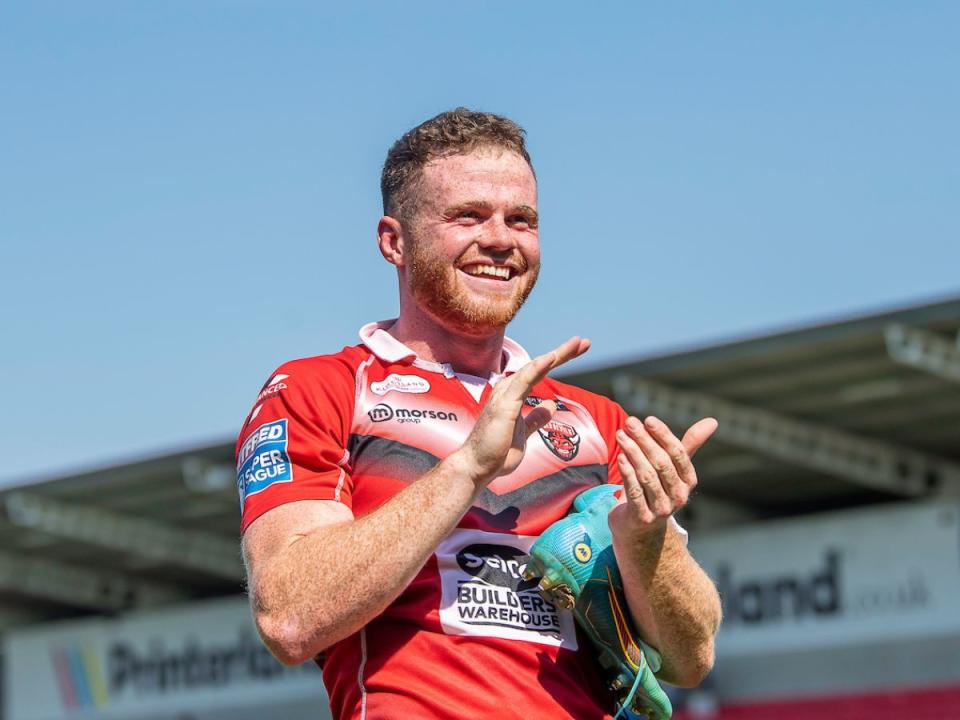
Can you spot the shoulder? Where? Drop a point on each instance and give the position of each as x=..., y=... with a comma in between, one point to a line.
x=581, y=396
x=326, y=368
x=311, y=387
x=332, y=374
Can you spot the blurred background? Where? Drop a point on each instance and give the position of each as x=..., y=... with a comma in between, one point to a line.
x=750, y=209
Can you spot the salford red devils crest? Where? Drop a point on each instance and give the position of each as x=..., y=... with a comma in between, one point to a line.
x=562, y=439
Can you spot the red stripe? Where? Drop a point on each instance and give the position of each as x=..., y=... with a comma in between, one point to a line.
x=913, y=704
x=68, y=693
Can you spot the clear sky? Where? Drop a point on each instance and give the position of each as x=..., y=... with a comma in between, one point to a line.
x=189, y=189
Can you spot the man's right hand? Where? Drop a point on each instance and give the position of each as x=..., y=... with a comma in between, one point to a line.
x=495, y=446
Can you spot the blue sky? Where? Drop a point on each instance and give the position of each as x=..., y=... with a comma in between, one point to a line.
x=190, y=189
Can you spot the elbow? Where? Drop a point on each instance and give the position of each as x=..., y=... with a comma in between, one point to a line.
x=695, y=667
x=284, y=639
x=697, y=663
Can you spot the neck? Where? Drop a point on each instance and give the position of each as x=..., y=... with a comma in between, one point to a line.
x=477, y=355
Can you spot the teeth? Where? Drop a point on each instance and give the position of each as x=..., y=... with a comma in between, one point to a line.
x=498, y=271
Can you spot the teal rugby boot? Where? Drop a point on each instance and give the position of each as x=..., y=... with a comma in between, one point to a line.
x=574, y=557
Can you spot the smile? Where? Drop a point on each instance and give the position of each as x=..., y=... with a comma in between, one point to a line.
x=499, y=272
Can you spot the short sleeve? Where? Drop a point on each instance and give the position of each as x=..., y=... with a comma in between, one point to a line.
x=293, y=445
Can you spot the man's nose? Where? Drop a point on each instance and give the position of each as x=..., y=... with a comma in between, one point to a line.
x=497, y=234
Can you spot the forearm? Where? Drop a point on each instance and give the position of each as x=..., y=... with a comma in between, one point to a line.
x=330, y=582
x=672, y=600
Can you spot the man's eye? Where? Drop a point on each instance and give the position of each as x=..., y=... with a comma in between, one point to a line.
x=523, y=220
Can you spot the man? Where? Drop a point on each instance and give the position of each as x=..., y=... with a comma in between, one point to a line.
x=388, y=489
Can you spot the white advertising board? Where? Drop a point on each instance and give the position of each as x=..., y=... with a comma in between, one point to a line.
x=186, y=660
x=881, y=573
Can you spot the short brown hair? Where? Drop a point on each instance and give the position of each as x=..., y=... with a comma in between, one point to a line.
x=449, y=133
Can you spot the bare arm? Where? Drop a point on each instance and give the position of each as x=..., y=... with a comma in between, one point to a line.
x=671, y=599
x=333, y=574
x=317, y=575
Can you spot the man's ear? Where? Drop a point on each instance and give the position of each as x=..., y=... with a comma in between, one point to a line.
x=391, y=241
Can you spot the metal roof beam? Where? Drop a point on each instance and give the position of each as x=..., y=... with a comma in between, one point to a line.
x=79, y=587
x=923, y=350
x=707, y=512
x=191, y=549
x=206, y=476
x=13, y=617
x=867, y=462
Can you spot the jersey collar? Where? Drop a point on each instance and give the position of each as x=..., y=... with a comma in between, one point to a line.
x=386, y=347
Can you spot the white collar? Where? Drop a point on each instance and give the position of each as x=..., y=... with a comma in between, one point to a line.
x=386, y=347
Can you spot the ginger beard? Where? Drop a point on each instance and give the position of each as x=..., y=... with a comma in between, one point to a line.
x=435, y=285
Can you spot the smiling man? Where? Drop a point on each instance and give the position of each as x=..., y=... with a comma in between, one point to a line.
x=391, y=491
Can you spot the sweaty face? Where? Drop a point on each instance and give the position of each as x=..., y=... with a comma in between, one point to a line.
x=473, y=250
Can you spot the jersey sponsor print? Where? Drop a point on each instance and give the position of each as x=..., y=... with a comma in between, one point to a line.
x=262, y=459
x=401, y=383
x=483, y=593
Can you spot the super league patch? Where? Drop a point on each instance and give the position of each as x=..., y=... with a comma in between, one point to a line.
x=562, y=439
x=262, y=459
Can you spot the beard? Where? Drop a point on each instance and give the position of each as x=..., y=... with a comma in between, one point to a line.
x=434, y=285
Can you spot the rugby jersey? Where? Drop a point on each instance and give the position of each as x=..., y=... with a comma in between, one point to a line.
x=468, y=637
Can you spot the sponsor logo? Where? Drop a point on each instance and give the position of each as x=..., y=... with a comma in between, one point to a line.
x=500, y=595
x=824, y=592
x=383, y=412
x=380, y=413
x=495, y=565
x=582, y=552
x=263, y=460
x=161, y=670
x=562, y=439
x=80, y=677
x=483, y=592
x=272, y=387
x=94, y=677
x=756, y=601
x=533, y=401
x=401, y=383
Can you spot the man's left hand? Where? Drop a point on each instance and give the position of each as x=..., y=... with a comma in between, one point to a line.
x=657, y=470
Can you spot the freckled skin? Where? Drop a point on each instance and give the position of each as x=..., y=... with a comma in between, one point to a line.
x=479, y=207
x=451, y=232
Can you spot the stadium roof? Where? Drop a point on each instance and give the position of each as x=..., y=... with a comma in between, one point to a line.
x=851, y=412
x=847, y=413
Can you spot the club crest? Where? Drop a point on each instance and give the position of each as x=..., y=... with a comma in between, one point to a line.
x=562, y=439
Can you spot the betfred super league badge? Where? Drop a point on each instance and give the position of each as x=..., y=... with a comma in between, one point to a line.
x=562, y=439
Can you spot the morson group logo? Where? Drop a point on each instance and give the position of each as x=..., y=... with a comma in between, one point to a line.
x=380, y=413
x=383, y=413
x=562, y=439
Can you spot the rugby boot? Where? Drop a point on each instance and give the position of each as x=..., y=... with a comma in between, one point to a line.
x=575, y=561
